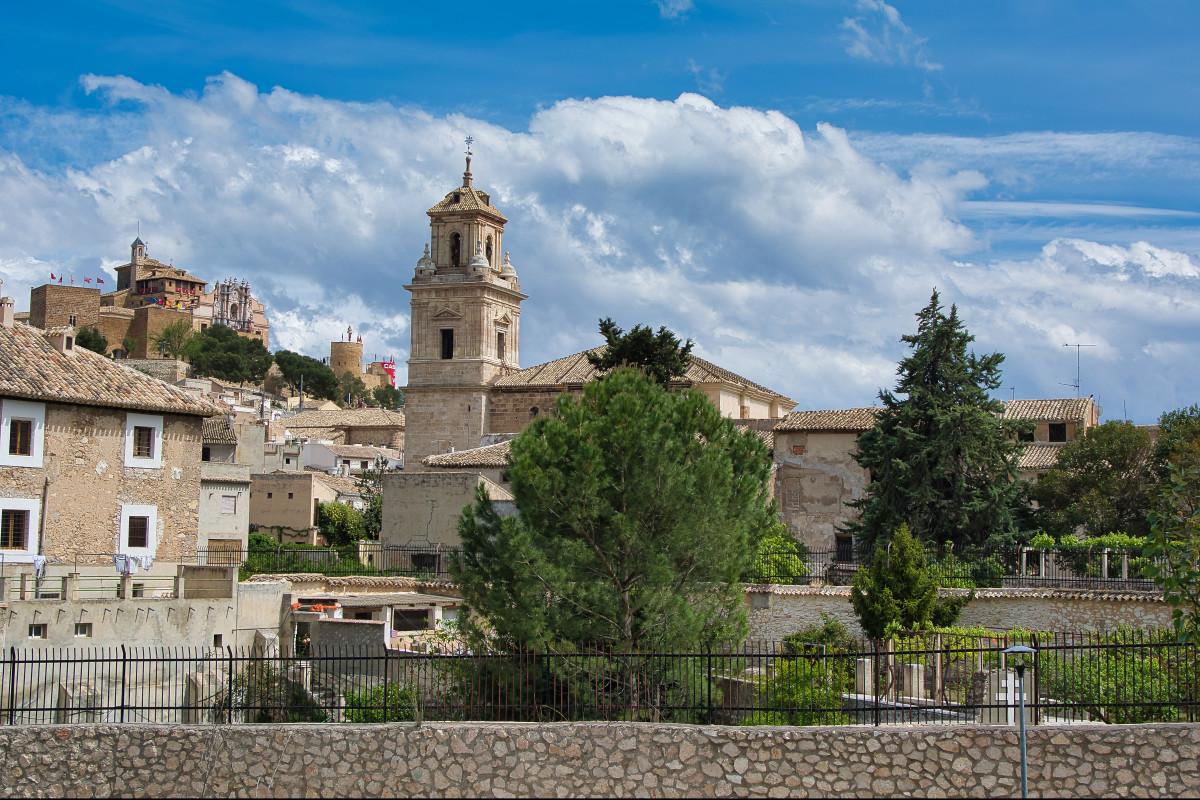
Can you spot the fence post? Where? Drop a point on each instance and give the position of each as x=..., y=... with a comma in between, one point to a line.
x=1024, y=560
x=124, y=668
x=229, y=687
x=1037, y=695
x=1104, y=564
x=385, y=684
x=1125, y=565
x=875, y=670
x=12, y=686
x=708, y=680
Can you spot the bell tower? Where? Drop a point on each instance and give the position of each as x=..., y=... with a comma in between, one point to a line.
x=465, y=324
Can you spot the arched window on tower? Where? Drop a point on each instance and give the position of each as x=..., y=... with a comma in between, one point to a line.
x=489, y=250
x=455, y=249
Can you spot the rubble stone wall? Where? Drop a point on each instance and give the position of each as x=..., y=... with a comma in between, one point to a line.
x=594, y=760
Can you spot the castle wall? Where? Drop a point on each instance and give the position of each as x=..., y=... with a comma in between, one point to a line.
x=52, y=305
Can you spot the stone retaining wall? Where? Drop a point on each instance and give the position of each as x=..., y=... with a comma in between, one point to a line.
x=594, y=760
x=776, y=611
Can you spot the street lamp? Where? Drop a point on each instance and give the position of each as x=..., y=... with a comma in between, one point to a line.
x=1022, y=650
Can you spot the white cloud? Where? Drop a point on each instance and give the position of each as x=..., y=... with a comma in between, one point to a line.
x=794, y=257
x=880, y=35
x=673, y=9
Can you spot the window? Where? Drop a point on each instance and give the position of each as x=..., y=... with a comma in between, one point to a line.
x=83, y=630
x=205, y=453
x=229, y=504
x=14, y=527
x=20, y=437
x=138, y=532
x=455, y=249
x=797, y=449
x=270, y=495
x=37, y=630
x=1025, y=436
x=1058, y=431
x=70, y=345
x=139, y=526
x=447, y=343
x=291, y=495
x=22, y=433
x=488, y=249
x=143, y=441
x=217, y=640
x=500, y=345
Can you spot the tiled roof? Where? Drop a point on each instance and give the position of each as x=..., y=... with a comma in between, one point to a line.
x=345, y=418
x=1071, y=409
x=343, y=486
x=31, y=367
x=842, y=419
x=1038, y=455
x=577, y=370
x=1109, y=595
x=361, y=452
x=218, y=430
x=762, y=428
x=494, y=455
x=467, y=198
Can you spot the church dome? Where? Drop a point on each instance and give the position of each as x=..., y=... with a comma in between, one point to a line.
x=507, y=270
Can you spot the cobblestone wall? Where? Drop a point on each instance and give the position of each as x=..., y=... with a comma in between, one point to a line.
x=594, y=760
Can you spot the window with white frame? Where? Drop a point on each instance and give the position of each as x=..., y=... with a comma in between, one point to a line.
x=18, y=529
x=143, y=440
x=22, y=433
x=139, y=529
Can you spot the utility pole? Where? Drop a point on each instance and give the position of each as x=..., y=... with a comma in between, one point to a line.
x=1076, y=383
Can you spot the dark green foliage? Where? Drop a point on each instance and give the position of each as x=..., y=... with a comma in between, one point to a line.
x=1177, y=456
x=129, y=344
x=940, y=458
x=639, y=508
x=897, y=592
x=1104, y=482
x=370, y=485
x=396, y=703
x=388, y=397
x=659, y=355
x=92, y=339
x=351, y=389
x=780, y=559
x=830, y=634
x=341, y=524
x=319, y=380
x=219, y=352
x=1174, y=549
x=172, y=341
x=807, y=686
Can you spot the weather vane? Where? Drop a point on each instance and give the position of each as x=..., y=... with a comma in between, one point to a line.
x=470, y=141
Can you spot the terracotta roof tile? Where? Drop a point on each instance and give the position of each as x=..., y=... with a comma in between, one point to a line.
x=843, y=419
x=575, y=370
x=1038, y=455
x=345, y=418
x=31, y=367
x=1070, y=409
x=467, y=198
x=218, y=430
x=494, y=455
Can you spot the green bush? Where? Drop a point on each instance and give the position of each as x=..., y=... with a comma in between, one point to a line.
x=780, y=559
x=1084, y=556
x=368, y=704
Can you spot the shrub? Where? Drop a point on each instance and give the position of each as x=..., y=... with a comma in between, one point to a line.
x=368, y=705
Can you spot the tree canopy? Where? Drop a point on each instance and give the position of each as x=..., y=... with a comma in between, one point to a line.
x=219, y=352
x=318, y=378
x=91, y=338
x=351, y=389
x=173, y=340
x=940, y=457
x=659, y=355
x=388, y=397
x=1104, y=481
x=638, y=509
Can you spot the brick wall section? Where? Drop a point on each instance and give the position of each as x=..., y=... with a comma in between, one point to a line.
x=594, y=760
x=165, y=369
x=776, y=611
x=52, y=305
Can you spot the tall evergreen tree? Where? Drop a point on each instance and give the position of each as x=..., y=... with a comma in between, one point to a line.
x=659, y=355
x=941, y=458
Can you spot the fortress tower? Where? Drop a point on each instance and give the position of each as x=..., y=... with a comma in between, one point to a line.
x=466, y=310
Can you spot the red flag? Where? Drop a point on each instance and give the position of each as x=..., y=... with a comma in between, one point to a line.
x=87, y=280
x=99, y=280
x=60, y=278
x=51, y=276
x=72, y=280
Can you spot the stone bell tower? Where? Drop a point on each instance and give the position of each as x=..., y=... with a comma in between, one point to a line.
x=466, y=312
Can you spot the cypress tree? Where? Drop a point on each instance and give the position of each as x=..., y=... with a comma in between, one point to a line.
x=941, y=458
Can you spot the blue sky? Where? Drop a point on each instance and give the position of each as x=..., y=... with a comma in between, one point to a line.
x=784, y=182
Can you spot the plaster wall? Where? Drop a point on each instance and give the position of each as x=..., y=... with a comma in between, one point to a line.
x=816, y=477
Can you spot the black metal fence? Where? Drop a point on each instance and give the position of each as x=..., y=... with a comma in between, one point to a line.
x=1123, y=677
x=367, y=558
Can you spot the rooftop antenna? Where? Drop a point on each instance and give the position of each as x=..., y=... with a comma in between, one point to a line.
x=1076, y=383
x=1013, y=389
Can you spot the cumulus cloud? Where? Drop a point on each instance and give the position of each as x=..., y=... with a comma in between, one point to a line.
x=879, y=34
x=794, y=257
x=673, y=9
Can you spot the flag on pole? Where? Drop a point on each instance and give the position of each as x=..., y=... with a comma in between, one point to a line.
x=99, y=280
x=87, y=280
x=51, y=276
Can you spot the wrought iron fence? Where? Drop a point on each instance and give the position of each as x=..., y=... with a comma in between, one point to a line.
x=365, y=558
x=922, y=678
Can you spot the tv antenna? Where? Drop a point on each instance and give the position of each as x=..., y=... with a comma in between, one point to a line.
x=1076, y=383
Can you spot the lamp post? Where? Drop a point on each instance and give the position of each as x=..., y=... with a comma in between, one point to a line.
x=1022, y=650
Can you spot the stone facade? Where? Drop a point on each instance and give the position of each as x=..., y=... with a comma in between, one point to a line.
x=776, y=611
x=284, y=504
x=595, y=760
x=421, y=509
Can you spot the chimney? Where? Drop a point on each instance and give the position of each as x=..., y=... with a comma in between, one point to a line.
x=63, y=339
x=7, y=309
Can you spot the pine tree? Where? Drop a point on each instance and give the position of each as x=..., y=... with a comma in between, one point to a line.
x=941, y=458
x=659, y=355
x=896, y=591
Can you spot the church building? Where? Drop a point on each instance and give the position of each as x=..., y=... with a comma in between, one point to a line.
x=466, y=387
